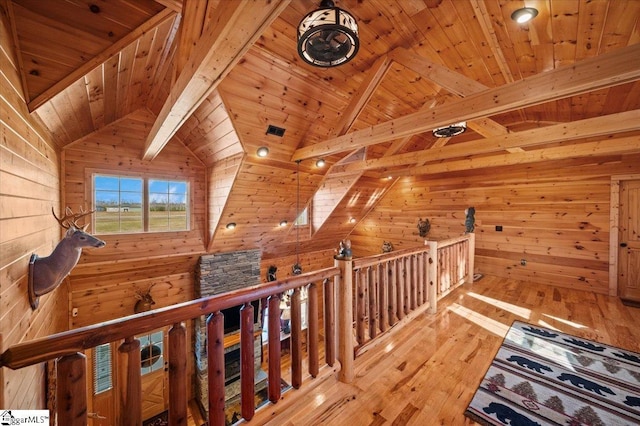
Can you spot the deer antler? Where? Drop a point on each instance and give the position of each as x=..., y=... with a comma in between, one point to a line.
x=70, y=218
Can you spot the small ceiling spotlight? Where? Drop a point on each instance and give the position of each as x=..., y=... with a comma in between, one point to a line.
x=231, y=225
x=352, y=220
x=524, y=14
x=262, y=152
x=320, y=163
x=450, y=130
x=283, y=223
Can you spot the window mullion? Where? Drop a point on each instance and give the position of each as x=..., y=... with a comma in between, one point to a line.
x=145, y=202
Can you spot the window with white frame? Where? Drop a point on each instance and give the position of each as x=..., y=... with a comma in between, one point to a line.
x=151, y=352
x=303, y=218
x=102, y=369
x=129, y=204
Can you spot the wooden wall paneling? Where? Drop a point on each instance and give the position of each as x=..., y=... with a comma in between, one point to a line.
x=29, y=182
x=125, y=71
x=221, y=178
x=143, y=49
x=556, y=216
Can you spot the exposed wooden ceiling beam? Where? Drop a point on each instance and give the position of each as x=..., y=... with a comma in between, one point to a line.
x=193, y=17
x=484, y=20
x=460, y=84
x=175, y=5
x=609, y=69
x=360, y=99
x=237, y=25
x=618, y=146
x=99, y=59
x=449, y=80
x=599, y=126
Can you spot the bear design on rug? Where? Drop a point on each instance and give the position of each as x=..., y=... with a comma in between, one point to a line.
x=585, y=345
x=531, y=365
x=581, y=382
x=632, y=401
x=507, y=415
x=627, y=357
x=543, y=333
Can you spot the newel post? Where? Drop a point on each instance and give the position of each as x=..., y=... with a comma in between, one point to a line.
x=71, y=392
x=178, y=375
x=130, y=382
x=433, y=276
x=345, y=320
x=471, y=254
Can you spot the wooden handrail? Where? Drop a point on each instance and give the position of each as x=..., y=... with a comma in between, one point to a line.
x=69, y=342
x=395, y=285
x=385, y=257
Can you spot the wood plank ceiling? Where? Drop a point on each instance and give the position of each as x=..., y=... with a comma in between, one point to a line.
x=216, y=73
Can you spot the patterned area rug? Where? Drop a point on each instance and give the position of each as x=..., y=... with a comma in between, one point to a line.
x=544, y=377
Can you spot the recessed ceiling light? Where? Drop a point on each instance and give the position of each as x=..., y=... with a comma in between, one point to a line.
x=263, y=151
x=352, y=220
x=231, y=225
x=320, y=163
x=283, y=223
x=524, y=14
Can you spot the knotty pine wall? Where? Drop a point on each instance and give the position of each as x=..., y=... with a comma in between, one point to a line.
x=29, y=188
x=553, y=214
x=104, y=284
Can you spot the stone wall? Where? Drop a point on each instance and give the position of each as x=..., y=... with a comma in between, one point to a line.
x=217, y=274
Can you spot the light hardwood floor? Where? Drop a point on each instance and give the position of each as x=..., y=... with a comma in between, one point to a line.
x=427, y=372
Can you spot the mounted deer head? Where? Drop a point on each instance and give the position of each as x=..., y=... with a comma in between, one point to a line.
x=46, y=273
x=144, y=301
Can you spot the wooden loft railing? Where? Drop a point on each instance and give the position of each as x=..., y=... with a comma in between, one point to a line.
x=413, y=278
x=391, y=288
x=68, y=347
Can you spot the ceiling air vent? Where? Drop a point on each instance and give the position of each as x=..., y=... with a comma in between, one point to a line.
x=275, y=130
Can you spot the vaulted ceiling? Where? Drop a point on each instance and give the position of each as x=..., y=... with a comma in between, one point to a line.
x=216, y=73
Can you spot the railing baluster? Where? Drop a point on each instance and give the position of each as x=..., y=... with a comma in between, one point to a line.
x=296, y=341
x=313, y=331
x=274, y=349
x=71, y=390
x=471, y=247
x=178, y=375
x=400, y=288
x=247, y=362
x=130, y=382
x=329, y=322
x=360, y=312
x=391, y=273
x=406, y=276
x=414, y=282
x=420, y=297
x=433, y=276
x=373, y=314
x=383, y=309
x=215, y=362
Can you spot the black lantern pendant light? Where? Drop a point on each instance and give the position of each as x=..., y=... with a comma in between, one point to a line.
x=328, y=36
